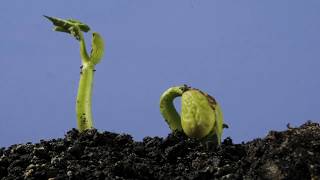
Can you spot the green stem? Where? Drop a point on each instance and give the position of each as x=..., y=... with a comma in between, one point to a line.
x=83, y=50
x=167, y=108
x=83, y=105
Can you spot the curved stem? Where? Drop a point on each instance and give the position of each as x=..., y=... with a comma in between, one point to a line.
x=83, y=49
x=167, y=108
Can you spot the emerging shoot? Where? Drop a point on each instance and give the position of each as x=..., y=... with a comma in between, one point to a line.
x=83, y=104
x=201, y=116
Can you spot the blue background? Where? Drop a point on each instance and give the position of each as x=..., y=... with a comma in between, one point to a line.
x=259, y=59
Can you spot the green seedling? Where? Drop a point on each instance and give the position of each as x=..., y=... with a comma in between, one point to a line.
x=83, y=104
x=201, y=115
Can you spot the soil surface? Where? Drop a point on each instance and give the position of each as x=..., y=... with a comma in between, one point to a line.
x=291, y=154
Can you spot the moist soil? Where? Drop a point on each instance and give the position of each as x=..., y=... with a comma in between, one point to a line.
x=290, y=154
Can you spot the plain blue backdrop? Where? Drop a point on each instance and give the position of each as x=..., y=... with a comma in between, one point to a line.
x=259, y=59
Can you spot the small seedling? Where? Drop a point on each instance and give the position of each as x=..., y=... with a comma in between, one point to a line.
x=83, y=104
x=201, y=115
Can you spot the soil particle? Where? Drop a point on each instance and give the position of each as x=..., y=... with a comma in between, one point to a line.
x=291, y=154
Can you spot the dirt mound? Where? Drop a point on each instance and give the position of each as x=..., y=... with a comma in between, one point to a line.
x=291, y=154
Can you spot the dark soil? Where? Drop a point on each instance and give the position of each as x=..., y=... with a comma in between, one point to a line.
x=291, y=154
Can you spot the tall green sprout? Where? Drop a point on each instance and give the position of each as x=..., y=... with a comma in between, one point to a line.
x=83, y=104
